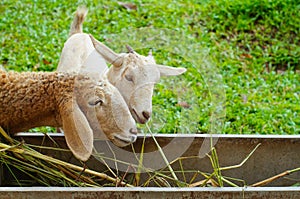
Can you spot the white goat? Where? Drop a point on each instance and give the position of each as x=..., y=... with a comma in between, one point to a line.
x=133, y=74
x=85, y=108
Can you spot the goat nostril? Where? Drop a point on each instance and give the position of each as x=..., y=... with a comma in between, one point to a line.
x=133, y=131
x=146, y=114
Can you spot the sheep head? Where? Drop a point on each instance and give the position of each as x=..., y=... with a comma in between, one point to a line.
x=96, y=111
x=135, y=75
x=106, y=112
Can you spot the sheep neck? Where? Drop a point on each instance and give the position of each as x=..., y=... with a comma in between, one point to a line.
x=33, y=99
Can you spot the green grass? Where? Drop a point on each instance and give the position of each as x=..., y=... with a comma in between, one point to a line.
x=254, y=44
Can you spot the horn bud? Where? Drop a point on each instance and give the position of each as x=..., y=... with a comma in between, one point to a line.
x=129, y=48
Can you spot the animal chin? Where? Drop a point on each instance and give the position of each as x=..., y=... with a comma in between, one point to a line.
x=137, y=118
x=120, y=141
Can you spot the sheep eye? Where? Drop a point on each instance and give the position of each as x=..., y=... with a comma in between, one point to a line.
x=129, y=78
x=96, y=102
x=100, y=102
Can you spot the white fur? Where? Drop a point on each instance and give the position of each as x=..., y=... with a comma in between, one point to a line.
x=133, y=74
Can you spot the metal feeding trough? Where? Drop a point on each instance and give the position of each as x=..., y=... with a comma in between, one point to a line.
x=274, y=155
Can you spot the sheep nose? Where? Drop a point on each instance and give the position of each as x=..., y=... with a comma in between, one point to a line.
x=133, y=138
x=146, y=114
x=133, y=131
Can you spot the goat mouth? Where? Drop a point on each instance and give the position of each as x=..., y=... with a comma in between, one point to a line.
x=137, y=118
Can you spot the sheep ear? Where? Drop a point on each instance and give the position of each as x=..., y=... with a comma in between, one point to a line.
x=108, y=54
x=78, y=133
x=170, y=71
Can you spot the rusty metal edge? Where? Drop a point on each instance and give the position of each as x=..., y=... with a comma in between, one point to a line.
x=150, y=189
x=151, y=192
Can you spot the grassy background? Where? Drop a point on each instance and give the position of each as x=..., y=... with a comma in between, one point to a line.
x=255, y=45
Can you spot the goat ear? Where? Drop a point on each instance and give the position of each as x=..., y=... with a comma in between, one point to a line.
x=170, y=71
x=108, y=54
x=78, y=133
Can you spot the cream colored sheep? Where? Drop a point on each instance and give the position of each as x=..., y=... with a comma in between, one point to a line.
x=83, y=107
x=133, y=74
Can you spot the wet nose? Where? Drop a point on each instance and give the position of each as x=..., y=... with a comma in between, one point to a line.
x=146, y=114
x=133, y=131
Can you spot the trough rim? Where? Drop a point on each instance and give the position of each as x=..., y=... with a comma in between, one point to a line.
x=181, y=135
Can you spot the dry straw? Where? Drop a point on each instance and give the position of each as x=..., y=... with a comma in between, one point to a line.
x=47, y=170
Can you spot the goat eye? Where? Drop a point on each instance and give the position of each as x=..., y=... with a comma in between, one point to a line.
x=129, y=78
